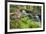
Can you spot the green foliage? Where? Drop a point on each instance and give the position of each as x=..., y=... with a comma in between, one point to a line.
x=34, y=9
x=25, y=22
